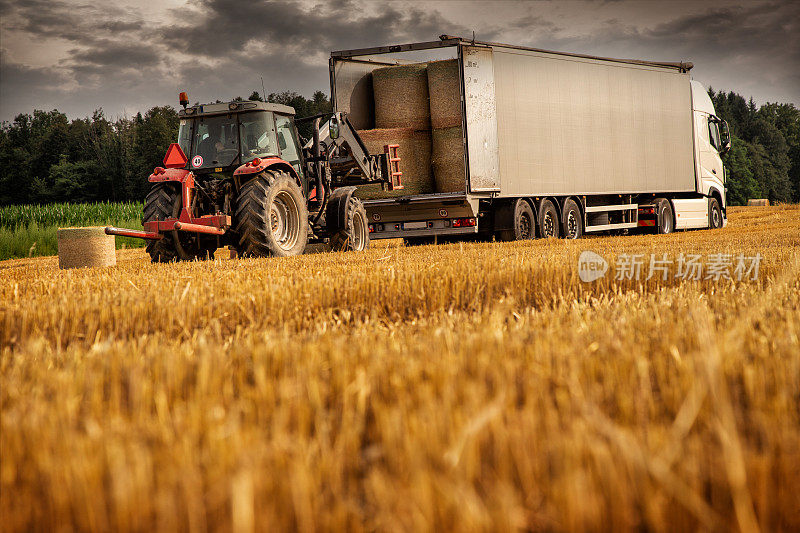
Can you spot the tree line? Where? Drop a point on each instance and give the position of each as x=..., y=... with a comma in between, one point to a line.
x=764, y=160
x=45, y=157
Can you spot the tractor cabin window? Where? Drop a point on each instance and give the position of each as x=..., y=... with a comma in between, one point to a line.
x=257, y=131
x=215, y=140
x=185, y=136
x=288, y=141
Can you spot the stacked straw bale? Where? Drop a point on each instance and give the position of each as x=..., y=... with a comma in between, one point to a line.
x=401, y=97
x=448, y=160
x=415, y=164
x=85, y=247
x=758, y=201
x=444, y=87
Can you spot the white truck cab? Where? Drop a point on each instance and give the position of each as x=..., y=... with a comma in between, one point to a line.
x=712, y=140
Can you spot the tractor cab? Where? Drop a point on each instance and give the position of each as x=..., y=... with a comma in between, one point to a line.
x=221, y=137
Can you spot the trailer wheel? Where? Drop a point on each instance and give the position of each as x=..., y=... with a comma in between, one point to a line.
x=714, y=214
x=271, y=217
x=524, y=223
x=665, y=216
x=162, y=202
x=572, y=221
x=548, y=220
x=355, y=233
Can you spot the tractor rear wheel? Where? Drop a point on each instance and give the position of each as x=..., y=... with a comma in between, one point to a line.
x=271, y=216
x=162, y=202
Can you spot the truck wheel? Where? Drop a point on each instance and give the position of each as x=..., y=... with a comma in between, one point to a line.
x=572, y=221
x=714, y=214
x=271, y=217
x=548, y=220
x=355, y=234
x=524, y=223
x=665, y=216
x=162, y=202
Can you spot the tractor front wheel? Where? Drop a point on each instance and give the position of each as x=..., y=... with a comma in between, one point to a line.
x=271, y=217
x=353, y=235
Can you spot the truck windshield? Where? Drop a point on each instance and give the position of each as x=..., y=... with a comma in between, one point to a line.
x=257, y=130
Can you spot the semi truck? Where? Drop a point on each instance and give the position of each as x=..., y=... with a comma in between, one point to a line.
x=555, y=144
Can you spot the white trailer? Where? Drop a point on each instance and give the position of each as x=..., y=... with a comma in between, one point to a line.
x=555, y=144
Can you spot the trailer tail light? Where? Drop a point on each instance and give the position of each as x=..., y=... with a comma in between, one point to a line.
x=255, y=162
x=372, y=228
x=158, y=171
x=464, y=222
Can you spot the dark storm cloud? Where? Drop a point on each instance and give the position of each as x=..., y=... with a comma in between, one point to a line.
x=225, y=26
x=106, y=55
x=21, y=85
x=62, y=20
x=116, y=55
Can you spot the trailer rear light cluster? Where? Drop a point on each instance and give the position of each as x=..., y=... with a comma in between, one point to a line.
x=375, y=227
x=464, y=222
x=158, y=171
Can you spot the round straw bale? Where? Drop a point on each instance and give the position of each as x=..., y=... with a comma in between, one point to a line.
x=85, y=247
x=448, y=160
x=444, y=88
x=758, y=201
x=401, y=97
x=415, y=160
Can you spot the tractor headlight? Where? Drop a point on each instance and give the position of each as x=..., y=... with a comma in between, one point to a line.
x=333, y=128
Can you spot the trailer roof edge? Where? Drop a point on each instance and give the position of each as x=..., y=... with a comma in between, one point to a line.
x=450, y=40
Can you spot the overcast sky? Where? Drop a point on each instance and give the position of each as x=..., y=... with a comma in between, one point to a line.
x=126, y=56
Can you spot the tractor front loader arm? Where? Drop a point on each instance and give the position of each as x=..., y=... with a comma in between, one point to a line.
x=349, y=158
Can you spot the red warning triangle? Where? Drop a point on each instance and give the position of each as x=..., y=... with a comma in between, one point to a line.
x=175, y=157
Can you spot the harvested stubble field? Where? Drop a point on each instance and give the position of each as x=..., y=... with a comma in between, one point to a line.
x=458, y=387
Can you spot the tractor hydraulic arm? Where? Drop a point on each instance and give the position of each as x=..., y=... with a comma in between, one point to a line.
x=349, y=159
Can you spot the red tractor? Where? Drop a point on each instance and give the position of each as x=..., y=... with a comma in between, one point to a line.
x=238, y=176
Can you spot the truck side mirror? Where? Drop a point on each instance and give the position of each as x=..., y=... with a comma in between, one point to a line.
x=725, y=137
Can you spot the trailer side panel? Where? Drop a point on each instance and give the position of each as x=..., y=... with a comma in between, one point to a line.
x=572, y=125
